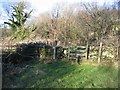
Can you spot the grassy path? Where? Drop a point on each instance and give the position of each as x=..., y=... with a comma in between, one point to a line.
x=63, y=75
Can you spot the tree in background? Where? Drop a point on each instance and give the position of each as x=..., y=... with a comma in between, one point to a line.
x=18, y=16
x=101, y=21
x=85, y=31
x=17, y=22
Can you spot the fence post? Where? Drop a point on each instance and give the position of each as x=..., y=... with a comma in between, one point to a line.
x=54, y=53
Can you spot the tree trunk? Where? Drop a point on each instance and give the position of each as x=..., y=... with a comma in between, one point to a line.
x=118, y=54
x=118, y=49
x=114, y=53
x=54, y=55
x=100, y=52
x=87, y=50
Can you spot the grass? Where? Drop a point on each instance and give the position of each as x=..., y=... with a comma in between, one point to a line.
x=63, y=75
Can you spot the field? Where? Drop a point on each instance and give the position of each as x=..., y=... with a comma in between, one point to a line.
x=72, y=44
x=61, y=74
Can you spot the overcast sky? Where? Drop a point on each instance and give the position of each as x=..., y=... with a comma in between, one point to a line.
x=41, y=6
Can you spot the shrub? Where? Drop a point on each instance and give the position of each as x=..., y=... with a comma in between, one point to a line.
x=33, y=51
x=11, y=57
x=27, y=51
x=46, y=53
x=42, y=52
x=59, y=52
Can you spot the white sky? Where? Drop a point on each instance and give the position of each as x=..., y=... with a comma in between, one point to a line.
x=41, y=6
x=45, y=5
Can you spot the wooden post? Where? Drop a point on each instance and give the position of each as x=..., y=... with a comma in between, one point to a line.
x=54, y=53
x=100, y=52
x=87, y=50
x=54, y=48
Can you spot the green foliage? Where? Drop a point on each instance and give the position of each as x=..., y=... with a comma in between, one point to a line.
x=18, y=16
x=17, y=22
x=42, y=52
x=46, y=53
x=49, y=51
x=59, y=53
x=23, y=33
